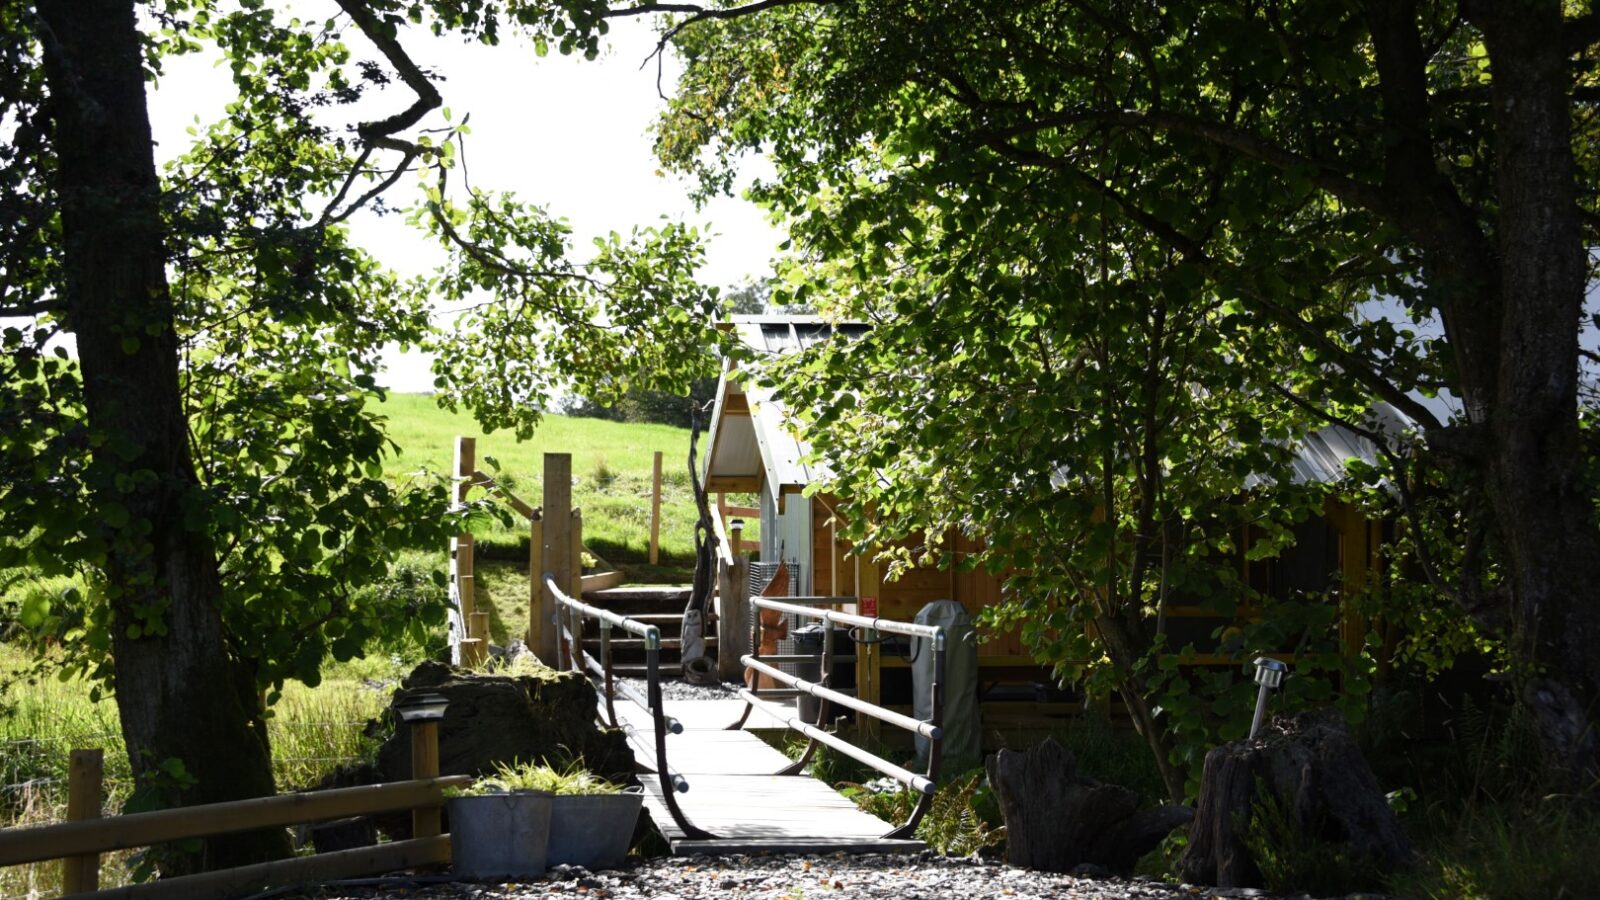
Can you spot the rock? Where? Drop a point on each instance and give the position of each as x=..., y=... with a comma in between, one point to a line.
x=1057, y=820
x=1313, y=769
x=547, y=716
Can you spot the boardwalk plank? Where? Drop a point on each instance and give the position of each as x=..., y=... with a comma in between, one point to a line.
x=733, y=794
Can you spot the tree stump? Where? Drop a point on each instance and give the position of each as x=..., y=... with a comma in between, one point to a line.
x=1057, y=820
x=1310, y=768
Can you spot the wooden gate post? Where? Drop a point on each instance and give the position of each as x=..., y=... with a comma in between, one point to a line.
x=655, y=512
x=85, y=775
x=556, y=541
x=733, y=617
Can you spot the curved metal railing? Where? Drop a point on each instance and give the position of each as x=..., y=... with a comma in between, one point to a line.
x=923, y=784
x=569, y=631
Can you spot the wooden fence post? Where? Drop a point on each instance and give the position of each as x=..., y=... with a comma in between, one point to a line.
x=480, y=628
x=655, y=512
x=556, y=556
x=538, y=622
x=465, y=586
x=85, y=776
x=425, y=820
x=736, y=536
x=465, y=468
x=575, y=590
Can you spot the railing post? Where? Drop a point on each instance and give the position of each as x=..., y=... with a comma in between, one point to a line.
x=85, y=776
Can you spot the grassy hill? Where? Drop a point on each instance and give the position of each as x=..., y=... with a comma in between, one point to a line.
x=611, y=467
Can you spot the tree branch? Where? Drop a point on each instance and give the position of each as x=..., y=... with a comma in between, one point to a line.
x=698, y=12
x=381, y=132
x=1244, y=143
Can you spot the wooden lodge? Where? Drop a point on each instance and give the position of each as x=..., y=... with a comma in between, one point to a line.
x=754, y=448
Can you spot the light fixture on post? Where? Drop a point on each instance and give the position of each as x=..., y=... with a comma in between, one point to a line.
x=423, y=712
x=736, y=532
x=1269, y=674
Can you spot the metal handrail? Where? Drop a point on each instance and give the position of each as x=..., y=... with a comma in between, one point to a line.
x=569, y=630
x=932, y=729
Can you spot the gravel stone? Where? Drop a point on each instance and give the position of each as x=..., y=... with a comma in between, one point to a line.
x=841, y=876
x=673, y=689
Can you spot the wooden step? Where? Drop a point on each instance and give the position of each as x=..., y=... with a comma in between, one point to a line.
x=642, y=593
x=637, y=643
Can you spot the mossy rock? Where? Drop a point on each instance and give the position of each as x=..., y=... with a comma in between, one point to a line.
x=538, y=715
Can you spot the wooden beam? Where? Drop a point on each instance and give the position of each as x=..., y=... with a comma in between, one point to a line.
x=735, y=405
x=517, y=503
x=733, y=484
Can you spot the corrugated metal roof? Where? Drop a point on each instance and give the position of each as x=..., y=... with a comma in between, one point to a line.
x=1324, y=455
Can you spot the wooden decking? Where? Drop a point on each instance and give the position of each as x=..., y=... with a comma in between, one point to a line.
x=734, y=795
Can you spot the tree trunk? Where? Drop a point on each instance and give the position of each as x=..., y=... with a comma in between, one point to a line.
x=1535, y=481
x=1311, y=770
x=179, y=693
x=1057, y=820
x=697, y=667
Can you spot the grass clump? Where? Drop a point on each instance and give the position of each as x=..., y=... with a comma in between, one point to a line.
x=1543, y=852
x=1294, y=858
x=568, y=781
x=963, y=819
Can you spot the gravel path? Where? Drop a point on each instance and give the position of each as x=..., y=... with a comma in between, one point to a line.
x=923, y=877
x=673, y=689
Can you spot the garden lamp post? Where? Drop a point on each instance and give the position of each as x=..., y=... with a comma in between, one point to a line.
x=1269, y=674
x=423, y=712
x=736, y=532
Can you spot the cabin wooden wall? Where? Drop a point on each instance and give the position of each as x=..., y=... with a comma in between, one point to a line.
x=903, y=597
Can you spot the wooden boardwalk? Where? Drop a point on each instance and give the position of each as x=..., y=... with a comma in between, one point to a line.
x=734, y=795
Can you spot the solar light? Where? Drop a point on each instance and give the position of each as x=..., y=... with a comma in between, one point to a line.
x=1269, y=674
x=416, y=708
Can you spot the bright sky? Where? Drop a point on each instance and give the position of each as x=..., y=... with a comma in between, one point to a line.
x=558, y=131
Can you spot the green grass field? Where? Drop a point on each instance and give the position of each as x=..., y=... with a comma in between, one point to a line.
x=611, y=469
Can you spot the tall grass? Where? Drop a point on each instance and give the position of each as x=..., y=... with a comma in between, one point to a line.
x=312, y=731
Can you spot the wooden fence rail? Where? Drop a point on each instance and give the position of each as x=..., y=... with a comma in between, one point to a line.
x=94, y=836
